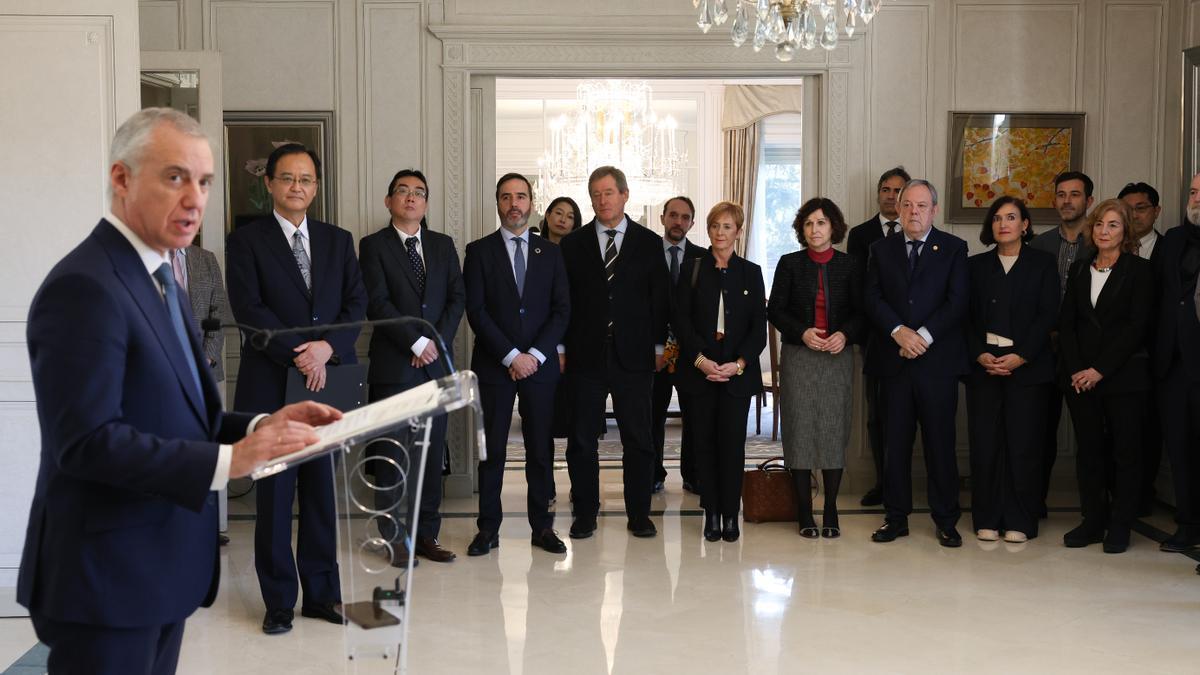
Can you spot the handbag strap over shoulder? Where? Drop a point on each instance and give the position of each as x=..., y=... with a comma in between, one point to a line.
x=773, y=464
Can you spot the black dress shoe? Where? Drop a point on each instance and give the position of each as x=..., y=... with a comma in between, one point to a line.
x=809, y=530
x=325, y=611
x=729, y=528
x=277, y=621
x=432, y=550
x=548, y=541
x=222, y=540
x=712, y=526
x=831, y=532
x=1116, y=540
x=873, y=497
x=482, y=543
x=1180, y=542
x=1082, y=536
x=658, y=487
x=642, y=527
x=583, y=527
x=890, y=531
x=949, y=537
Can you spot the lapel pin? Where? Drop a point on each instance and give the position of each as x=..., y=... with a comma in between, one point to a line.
x=537, y=250
x=746, y=292
x=935, y=247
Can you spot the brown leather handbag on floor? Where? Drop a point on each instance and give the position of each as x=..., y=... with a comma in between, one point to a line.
x=768, y=493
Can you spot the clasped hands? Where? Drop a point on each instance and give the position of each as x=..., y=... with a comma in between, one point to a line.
x=291, y=428
x=1085, y=380
x=522, y=366
x=311, y=358
x=1000, y=365
x=912, y=345
x=426, y=357
x=814, y=339
x=714, y=372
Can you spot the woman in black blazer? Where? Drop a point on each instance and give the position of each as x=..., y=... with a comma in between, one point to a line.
x=720, y=322
x=1103, y=367
x=816, y=306
x=1014, y=306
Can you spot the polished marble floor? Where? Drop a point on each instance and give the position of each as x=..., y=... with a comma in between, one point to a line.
x=770, y=603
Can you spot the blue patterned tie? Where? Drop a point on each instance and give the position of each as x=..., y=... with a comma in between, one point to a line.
x=171, y=296
x=519, y=266
x=301, y=257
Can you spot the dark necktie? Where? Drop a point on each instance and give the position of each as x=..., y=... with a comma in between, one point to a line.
x=301, y=257
x=414, y=257
x=674, y=264
x=914, y=248
x=519, y=266
x=891, y=227
x=171, y=296
x=610, y=255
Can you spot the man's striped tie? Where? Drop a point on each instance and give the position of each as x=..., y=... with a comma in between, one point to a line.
x=610, y=262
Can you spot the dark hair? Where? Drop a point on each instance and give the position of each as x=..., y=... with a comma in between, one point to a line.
x=897, y=171
x=987, y=237
x=1128, y=240
x=837, y=222
x=407, y=173
x=683, y=199
x=617, y=175
x=1140, y=189
x=574, y=209
x=1065, y=176
x=291, y=149
x=510, y=176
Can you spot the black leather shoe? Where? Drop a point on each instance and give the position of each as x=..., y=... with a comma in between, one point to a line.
x=1116, y=540
x=277, y=621
x=432, y=550
x=873, y=497
x=658, y=487
x=831, y=532
x=949, y=537
x=809, y=530
x=222, y=540
x=325, y=611
x=729, y=528
x=583, y=527
x=642, y=527
x=548, y=541
x=400, y=556
x=890, y=531
x=1180, y=542
x=712, y=526
x=483, y=542
x=1082, y=536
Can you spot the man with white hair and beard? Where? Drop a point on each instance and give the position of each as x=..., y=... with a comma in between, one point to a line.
x=1176, y=360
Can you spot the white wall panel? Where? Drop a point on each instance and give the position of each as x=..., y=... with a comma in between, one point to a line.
x=1130, y=101
x=161, y=24
x=900, y=93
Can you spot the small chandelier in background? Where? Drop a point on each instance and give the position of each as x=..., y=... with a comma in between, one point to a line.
x=790, y=25
x=613, y=125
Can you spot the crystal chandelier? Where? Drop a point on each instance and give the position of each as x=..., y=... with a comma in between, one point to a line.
x=612, y=125
x=790, y=25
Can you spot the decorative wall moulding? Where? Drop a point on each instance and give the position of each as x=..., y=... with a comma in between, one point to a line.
x=635, y=57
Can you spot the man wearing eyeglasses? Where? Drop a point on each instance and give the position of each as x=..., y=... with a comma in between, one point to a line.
x=1142, y=200
x=288, y=270
x=410, y=270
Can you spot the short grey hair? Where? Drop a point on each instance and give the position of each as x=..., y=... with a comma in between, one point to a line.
x=129, y=145
x=606, y=171
x=919, y=181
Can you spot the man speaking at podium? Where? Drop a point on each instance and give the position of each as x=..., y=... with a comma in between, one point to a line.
x=122, y=540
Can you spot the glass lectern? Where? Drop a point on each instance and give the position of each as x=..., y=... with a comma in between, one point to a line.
x=378, y=453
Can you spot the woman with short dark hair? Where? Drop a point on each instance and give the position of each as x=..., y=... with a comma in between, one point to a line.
x=562, y=218
x=815, y=304
x=1013, y=308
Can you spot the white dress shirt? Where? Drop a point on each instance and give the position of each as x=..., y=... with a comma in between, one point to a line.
x=602, y=237
x=884, y=220
x=1146, y=244
x=290, y=230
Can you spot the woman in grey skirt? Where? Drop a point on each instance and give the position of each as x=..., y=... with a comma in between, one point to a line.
x=816, y=307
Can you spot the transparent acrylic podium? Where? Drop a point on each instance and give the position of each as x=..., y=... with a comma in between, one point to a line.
x=378, y=453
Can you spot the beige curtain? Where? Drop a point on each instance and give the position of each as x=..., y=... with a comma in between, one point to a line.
x=740, y=176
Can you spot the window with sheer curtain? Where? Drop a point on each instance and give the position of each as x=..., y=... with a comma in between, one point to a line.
x=777, y=192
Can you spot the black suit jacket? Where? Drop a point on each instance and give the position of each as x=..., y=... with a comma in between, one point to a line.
x=935, y=297
x=1177, y=329
x=502, y=319
x=637, y=302
x=794, y=295
x=1033, y=311
x=858, y=242
x=392, y=292
x=266, y=290
x=1109, y=337
x=695, y=321
x=123, y=528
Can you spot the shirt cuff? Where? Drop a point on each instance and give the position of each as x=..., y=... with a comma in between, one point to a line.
x=250, y=428
x=419, y=346
x=924, y=332
x=562, y=349
x=533, y=351
x=508, y=358
x=659, y=349
x=897, y=328
x=224, y=458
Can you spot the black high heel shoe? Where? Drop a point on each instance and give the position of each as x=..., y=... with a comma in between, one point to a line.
x=712, y=526
x=730, y=530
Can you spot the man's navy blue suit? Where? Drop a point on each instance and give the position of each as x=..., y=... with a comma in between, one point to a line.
x=503, y=320
x=266, y=290
x=925, y=389
x=122, y=537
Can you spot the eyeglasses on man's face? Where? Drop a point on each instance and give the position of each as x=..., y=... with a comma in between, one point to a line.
x=305, y=182
x=404, y=192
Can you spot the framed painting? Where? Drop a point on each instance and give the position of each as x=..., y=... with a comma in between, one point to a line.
x=249, y=139
x=1017, y=154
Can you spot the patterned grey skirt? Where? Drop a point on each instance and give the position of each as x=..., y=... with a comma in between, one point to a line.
x=815, y=406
